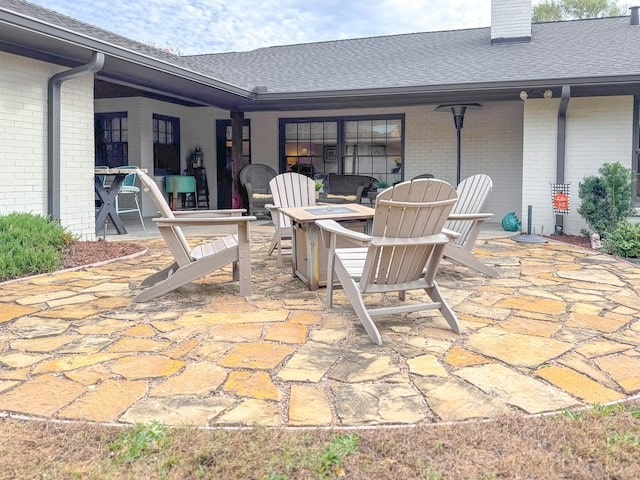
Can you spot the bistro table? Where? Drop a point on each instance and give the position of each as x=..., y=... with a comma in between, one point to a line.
x=309, y=257
x=107, y=196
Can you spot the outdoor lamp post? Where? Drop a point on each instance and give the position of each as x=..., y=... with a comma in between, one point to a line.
x=458, y=112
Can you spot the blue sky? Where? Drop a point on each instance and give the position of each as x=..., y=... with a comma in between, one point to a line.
x=208, y=26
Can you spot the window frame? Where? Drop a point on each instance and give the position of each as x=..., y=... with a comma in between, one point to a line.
x=108, y=152
x=340, y=147
x=170, y=149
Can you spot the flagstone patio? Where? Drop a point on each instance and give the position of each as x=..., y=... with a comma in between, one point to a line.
x=559, y=329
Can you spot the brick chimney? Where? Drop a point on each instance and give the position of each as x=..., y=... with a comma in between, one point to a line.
x=510, y=21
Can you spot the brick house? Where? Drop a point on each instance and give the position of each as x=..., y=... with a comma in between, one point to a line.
x=545, y=103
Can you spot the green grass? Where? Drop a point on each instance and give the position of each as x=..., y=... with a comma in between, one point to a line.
x=331, y=460
x=305, y=456
x=30, y=244
x=134, y=442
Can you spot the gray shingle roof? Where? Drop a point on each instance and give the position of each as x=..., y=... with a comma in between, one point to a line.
x=558, y=51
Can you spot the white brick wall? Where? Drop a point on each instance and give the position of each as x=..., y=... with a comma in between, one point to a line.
x=599, y=130
x=23, y=148
x=510, y=19
x=23, y=145
x=491, y=143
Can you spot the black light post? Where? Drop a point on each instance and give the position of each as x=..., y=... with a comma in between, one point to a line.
x=458, y=112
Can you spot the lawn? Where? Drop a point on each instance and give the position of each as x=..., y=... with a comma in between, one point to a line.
x=601, y=443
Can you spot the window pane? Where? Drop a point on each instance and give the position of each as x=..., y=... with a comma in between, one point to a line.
x=317, y=130
x=379, y=128
x=351, y=130
x=394, y=128
x=364, y=129
x=331, y=131
x=291, y=131
x=304, y=131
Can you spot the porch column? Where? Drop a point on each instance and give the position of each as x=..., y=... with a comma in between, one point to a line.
x=237, y=159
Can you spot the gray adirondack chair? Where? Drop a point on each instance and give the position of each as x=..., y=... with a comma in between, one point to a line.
x=288, y=190
x=192, y=263
x=466, y=220
x=255, y=178
x=402, y=253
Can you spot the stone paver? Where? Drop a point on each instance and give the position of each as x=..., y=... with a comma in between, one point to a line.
x=514, y=388
x=514, y=348
x=578, y=385
x=309, y=406
x=559, y=329
x=454, y=400
x=107, y=402
x=378, y=403
x=252, y=384
x=42, y=396
x=624, y=369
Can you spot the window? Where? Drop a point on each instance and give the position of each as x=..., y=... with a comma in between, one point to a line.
x=370, y=146
x=166, y=145
x=111, y=139
x=311, y=147
x=374, y=148
x=223, y=149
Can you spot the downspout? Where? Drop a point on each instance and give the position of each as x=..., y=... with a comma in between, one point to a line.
x=53, y=129
x=562, y=135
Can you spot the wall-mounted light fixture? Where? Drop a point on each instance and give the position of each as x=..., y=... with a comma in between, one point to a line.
x=536, y=93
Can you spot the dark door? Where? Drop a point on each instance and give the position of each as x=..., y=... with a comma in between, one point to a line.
x=223, y=160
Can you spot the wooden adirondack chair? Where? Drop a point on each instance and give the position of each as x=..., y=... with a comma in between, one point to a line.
x=466, y=220
x=289, y=190
x=191, y=264
x=402, y=253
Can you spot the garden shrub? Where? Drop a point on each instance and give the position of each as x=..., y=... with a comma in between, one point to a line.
x=608, y=199
x=30, y=244
x=624, y=241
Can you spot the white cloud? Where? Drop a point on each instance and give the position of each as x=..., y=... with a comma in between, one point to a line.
x=207, y=26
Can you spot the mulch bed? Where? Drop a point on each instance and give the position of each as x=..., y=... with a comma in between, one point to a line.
x=84, y=253
x=577, y=240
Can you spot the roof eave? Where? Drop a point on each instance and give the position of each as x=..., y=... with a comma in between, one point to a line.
x=49, y=31
x=481, y=91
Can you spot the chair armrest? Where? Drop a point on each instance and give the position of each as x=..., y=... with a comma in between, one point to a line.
x=469, y=216
x=450, y=233
x=209, y=213
x=202, y=221
x=435, y=239
x=276, y=216
x=334, y=228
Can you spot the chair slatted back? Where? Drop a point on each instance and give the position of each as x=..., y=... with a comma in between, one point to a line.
x=179, y=241
x=472, y=195
x=292, y=190
x=406, y=214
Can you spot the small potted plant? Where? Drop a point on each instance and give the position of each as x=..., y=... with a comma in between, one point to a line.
x=379, y=185
x=319, y=188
